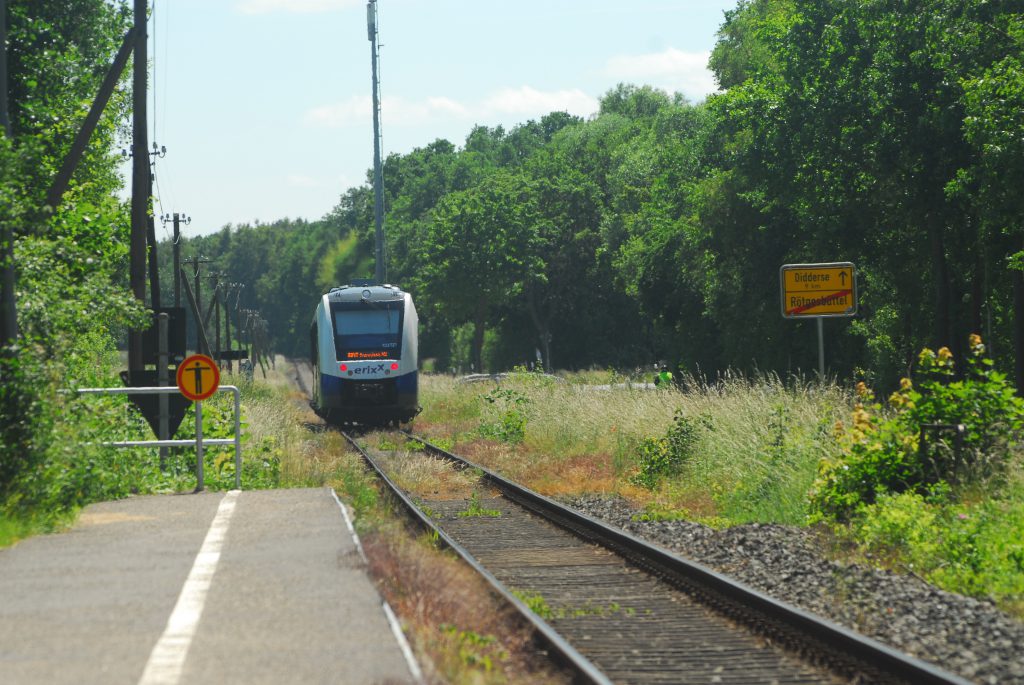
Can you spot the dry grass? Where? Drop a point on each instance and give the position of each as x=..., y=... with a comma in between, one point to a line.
x=428, y=478
x=468, y=635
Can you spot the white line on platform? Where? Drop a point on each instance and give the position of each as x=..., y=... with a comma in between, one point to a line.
x=403, y=644
x=351, y=528
x=396, y=627
x=167, y=659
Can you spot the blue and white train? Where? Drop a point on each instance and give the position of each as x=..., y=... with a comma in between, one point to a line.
x=364, y=353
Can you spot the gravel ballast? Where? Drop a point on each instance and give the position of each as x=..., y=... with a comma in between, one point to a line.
x=963, y=635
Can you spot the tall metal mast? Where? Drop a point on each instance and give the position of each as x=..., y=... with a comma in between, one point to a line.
x=380, y=272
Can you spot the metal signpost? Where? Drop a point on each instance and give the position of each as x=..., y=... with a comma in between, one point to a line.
x=198, y=377
x=818, y=291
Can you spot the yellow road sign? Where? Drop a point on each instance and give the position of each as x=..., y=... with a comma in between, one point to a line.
x=815, y=290
x=198, y=377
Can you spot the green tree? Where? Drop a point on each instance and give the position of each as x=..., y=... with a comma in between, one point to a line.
x=70, y=263
x=478, y=252
x=994, y=126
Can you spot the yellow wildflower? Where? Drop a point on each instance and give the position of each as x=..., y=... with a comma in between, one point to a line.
x=861, y=418
x=944, y=354
x=905, y=384
x=977, y=347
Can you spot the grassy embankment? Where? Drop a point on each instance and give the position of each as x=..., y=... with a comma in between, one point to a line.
x=748, y=451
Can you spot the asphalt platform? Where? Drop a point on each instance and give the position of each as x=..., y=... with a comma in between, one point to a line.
x=265, y=586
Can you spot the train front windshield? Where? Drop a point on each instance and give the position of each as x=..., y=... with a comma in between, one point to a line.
x=368, y=331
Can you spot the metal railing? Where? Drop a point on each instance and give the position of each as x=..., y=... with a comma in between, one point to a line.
x=199, y=442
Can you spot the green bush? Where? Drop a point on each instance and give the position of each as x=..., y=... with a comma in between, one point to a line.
x=68, y=467
x=883, y=451
x=23, y=418
x=506, y=415
x=658, y=458
x=973, y=549
x=52, y=460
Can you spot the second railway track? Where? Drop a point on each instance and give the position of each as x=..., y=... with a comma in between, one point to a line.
x=620, y=610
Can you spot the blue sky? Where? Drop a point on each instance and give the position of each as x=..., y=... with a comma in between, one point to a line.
x=264, y=105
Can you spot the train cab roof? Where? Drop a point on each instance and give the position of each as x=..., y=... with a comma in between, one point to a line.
x=369, y=293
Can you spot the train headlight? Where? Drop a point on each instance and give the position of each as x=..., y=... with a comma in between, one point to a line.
x=366, y=294
x=343, y=367
x=394, y=366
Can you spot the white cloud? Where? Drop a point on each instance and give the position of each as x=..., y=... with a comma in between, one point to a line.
x=354, y=110
x=523, y=103
x=295, y=6
x=531, y=102
x=671, y=70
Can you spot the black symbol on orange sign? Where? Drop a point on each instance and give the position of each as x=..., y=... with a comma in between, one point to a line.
x=198, y=377
x=198, y=370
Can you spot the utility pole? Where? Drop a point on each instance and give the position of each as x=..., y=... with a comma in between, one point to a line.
x=178, y=219
x=380, y=272
x=197, y=263
x=140, y=183
x=215, y=277
x=5, y=118
x=154, y=271
x=8, y=302
x=227, y=320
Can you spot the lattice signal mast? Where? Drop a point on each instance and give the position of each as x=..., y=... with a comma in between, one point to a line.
x=380, y=272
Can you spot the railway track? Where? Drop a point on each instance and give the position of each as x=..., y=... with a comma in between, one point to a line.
x=617, y=609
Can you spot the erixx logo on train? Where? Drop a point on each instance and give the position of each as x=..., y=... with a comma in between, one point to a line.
x=369, y=370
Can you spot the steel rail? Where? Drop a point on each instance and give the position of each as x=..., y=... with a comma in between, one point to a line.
x=585, y=670
x=694, y=576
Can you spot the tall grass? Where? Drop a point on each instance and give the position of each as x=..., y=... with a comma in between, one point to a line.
x=758, y=439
